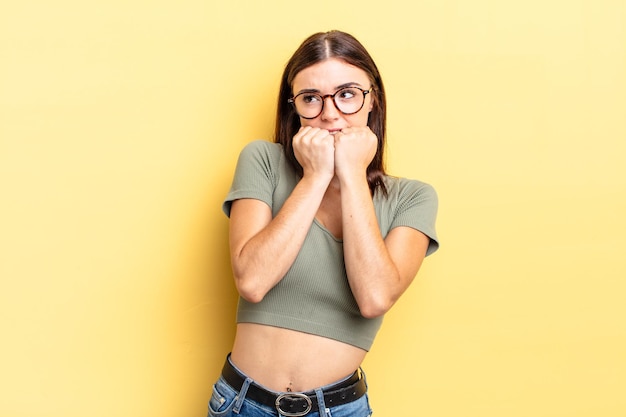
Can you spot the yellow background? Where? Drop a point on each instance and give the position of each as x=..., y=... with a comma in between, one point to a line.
x=120, y=123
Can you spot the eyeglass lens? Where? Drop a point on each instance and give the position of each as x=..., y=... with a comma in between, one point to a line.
x=348, y=100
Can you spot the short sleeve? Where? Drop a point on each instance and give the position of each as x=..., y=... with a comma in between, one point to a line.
x=416, y=207
x=255, y=174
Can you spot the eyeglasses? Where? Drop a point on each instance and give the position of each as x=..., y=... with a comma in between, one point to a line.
x=348, y=100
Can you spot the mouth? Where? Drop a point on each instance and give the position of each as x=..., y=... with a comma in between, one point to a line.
x=334, y=131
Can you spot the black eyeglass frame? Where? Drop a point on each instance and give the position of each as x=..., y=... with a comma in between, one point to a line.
x=292, y=101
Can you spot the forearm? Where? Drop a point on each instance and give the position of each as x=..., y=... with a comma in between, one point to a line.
x=372, y=274
x=261, y=258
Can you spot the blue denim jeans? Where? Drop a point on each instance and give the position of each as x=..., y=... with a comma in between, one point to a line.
x=226, y=401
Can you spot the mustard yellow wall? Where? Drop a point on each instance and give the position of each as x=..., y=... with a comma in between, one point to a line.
x=120, y=123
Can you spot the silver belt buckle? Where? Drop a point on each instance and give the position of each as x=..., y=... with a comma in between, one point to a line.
x=293, y=395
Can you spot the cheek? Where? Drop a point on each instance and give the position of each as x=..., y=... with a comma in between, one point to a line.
x=307, y=122
x=360, y=119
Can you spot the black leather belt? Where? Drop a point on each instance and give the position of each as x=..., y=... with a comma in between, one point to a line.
x=298, y=403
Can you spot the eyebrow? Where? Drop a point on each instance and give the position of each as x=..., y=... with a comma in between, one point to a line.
x=339, y=87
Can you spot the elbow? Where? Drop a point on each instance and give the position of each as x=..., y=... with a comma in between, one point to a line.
x=246, y=283
x=376, y=301
x=251, y=297
x=250, y=293
x=249, y=289
x=375, y=307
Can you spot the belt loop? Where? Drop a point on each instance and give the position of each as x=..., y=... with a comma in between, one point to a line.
x=362, y=375
x=321, y=405
x=242, y=395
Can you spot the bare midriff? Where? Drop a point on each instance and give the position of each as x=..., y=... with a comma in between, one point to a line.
x=287, y=360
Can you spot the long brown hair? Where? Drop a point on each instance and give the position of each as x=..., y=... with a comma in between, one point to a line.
x=317, y=48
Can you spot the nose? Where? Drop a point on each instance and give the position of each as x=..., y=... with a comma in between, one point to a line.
x=330, y=110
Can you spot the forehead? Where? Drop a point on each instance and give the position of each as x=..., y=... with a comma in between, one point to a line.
x=328, y=75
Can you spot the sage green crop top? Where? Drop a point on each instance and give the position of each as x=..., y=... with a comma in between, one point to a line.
x=314, y=296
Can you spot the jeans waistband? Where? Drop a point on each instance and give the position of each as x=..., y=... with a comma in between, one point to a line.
x=296, y=403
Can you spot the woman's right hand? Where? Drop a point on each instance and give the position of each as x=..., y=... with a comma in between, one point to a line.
x=314, y=149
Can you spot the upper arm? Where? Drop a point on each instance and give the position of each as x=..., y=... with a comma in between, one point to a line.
x=407, y=249
x=247, y=218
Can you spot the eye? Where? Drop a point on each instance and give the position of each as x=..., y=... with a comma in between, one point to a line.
x=347, y=94
x=310, y=98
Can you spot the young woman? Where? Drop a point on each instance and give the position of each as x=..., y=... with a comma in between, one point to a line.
x=323, y=242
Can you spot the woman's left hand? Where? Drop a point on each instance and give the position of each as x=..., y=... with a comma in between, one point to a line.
x=355, y=147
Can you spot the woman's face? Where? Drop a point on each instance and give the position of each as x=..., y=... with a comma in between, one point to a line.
x=327, y=77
